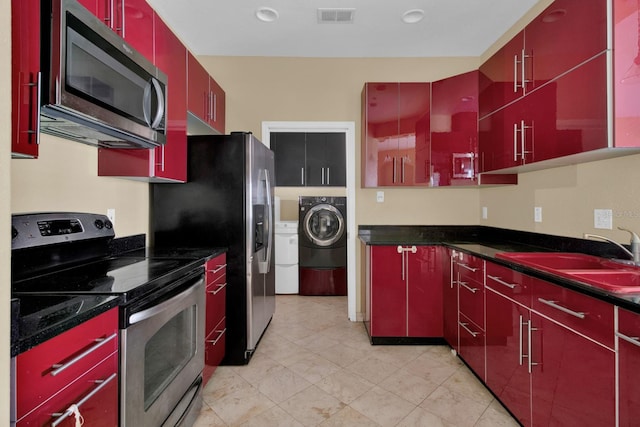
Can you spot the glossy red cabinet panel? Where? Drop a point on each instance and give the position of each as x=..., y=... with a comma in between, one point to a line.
x=450, y=299
x=197, y=88
x=25, y=77
x=396, y=134
x=214, y=349
x=215, y=316
x=37, y=379
x=424, y=292
x=110, y=12
x=573, y=378
x=217, y=109
x=388, y=315
x=506, y=351
x=138, y=27
x=454, y=130
x=472, y=345
x=510, y=283
x=626, y=68
x=628, y=367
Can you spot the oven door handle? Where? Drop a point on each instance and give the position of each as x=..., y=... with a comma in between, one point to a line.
x=150, y=312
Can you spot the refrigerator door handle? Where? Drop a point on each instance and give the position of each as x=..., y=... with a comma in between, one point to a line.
x=265, y=266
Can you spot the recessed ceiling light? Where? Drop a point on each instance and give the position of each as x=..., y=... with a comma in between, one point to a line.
x=412, y=16
x=267, y=14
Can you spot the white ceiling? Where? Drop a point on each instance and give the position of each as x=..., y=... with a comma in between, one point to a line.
x=449, y=27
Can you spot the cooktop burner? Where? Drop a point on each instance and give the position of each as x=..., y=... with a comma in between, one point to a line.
x=124, y=276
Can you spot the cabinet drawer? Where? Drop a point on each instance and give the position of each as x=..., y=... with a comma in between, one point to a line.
x=582, y=313
x=472, y=345
x=215, y=270
x=215, y=343
x=471, y=301
x=44, y=370
x=628, y=323
x=215, y=305
x=510, y=283
x=469, y=268
x=94, y=392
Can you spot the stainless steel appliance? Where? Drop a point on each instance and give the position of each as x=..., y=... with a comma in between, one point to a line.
x=227, y=201
x=70, y=256
x=322, y=245
x=95, y=88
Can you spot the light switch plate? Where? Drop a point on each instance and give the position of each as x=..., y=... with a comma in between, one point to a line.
x=537, y=214
x=111, y=214
x=485, y=212
x=380, y=196
x=603, y=219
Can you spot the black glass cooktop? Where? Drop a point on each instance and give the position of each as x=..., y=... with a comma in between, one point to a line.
x=126, y=277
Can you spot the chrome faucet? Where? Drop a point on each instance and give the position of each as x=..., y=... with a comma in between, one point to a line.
x=634, y=253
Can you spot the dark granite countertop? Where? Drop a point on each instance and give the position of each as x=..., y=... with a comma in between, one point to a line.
x=486, y=242
x=38, y=318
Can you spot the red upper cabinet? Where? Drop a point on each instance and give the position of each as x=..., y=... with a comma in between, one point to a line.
x=167, y=163
x=25, y=77
x=562, y=37
x=627, y=334
x=111, y=12
x=138, y=26
x=454, y=130
x=205, y=100
x=626, y=80
x=396, y=134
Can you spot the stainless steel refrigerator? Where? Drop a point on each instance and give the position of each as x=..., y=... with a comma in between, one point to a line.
x=227, y=202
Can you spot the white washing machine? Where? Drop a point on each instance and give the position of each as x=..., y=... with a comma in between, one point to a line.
x=286, y=253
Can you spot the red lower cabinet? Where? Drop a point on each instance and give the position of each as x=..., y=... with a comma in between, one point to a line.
x=472, y=345
x=404, y=292
x=450, y=301
x=215, y=317
x=628, y=367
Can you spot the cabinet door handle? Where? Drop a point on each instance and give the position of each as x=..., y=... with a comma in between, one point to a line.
x=530, y=363
x=554, y=304
x=464, y=326
x=218, y=288
x=215, y=107
x=59, y=367
x=220, y=334
x=502, y=282
x=302, y=176
x=466, y=267
x=464, y=285
x=34, y=127
x=70, y=411
x=218, y=268
x=394, y=171
x=322, y=177
x=515, y=73
x=402, y=169
x=633, y=340
x=328, y=180
x=515, y=142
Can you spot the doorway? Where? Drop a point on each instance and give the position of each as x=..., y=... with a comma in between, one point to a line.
x=348, y=128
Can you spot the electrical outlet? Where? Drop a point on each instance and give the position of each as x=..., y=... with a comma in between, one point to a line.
x=380, y=196
x=603, y=219
x=537, y=214
x=111, y=214
x=485, y=212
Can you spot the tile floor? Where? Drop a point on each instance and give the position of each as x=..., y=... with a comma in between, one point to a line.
x=314, y=367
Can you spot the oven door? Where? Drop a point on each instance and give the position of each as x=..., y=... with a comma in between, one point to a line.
x=162, y=357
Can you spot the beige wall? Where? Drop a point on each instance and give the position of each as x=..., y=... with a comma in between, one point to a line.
x=65, y=178
x=5, y=208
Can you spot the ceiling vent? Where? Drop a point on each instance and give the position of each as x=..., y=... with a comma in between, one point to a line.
x=335, y=16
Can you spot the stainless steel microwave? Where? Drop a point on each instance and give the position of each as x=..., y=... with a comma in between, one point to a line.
x=95, y=88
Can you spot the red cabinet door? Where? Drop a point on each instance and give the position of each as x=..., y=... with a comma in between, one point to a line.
x=472, y=345
x=628, y=367
x=424, y=292
x=110, y=12
x=573, y=378
x=454, y=135
x=197, y=89
x=138, y=27
x=388, y=314
x=506, y=352
x=626, y=68
x=563, y=36
x=217, y=111
x=25, y=77
x=414, y=111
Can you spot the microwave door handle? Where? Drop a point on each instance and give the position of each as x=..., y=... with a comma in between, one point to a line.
x=161, y=108
x=146, y=103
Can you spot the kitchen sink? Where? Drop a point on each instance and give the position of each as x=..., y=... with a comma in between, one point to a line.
x=558, y=260
x=595, y=271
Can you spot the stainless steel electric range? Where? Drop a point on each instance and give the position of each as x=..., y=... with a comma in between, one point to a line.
x=68, y=266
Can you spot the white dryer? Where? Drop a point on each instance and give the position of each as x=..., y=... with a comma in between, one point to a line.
x=286, y=253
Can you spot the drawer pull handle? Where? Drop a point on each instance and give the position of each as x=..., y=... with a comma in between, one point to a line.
x=221, y=333
x=215, y=270
x=74, y=408
x=218, y=289
x=468, y=268
x=632, y=340
x=502, y=282
x=464, y=285
x=553, y=304
x=59, y=367
x=464, y=326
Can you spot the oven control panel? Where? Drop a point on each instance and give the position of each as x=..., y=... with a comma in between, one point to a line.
x=38, y=229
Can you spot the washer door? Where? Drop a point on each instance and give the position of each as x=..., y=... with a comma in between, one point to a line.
x=324, y=225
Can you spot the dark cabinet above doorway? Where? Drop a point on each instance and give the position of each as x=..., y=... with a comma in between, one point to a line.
x=309, y=159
